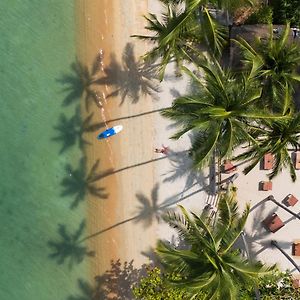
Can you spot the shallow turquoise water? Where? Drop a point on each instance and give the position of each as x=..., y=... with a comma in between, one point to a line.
x=37, y=47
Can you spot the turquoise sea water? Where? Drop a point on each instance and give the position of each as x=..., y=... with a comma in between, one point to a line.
x=37, y=47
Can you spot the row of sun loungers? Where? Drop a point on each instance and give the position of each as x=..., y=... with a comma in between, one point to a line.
x=269, y=160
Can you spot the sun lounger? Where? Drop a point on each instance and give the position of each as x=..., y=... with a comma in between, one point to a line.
x=228, y=167
x=290, y=200
x=296, y=248
x=297, y=160
x=268, y=161
x=273, y=223
x=266, y=185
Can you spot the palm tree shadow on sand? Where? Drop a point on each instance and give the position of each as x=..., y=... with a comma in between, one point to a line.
x=131, y=78
x=114, y=284
x=69, y=247
x=80, y=183
x=182, y=166
x=147, y=211
x=81, y=81
x=70, y=131
x=97, y=126
x=257, y=237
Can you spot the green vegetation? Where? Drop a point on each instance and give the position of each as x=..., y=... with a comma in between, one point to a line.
x=274, y=286
x=209, y=263
x=219, y=113
x=179, y=34
x=206, y=265
x=227, y=108
x=155, y=286
x=277, y=136
x=277, y=61
x=286, y=11
x=263, y=15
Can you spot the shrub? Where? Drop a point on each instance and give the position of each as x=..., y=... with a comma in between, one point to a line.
x=286, y=11
x=264, y=15
x=154, y=286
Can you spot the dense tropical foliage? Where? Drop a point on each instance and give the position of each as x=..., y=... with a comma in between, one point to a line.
x=252, y=106
x=286, y=11
x=209, y=264
x=219, y=112
x=276, y=137
x=278, y=60
x=155, y=286
x=273, y=286
x=251, y=109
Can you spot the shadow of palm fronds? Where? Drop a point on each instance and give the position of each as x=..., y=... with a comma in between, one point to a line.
x=68, y=246
x=115, y=284
x=81, y=81
x=132, y=78
x=257, y=236
x=70, y=131
x=148, y=210
x=182, y=166
x=80, y=183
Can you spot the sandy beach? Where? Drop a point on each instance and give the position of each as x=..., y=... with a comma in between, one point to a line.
x=106, y=26
x=140, y=183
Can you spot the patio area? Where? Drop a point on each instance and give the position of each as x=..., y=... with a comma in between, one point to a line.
x=267, y=221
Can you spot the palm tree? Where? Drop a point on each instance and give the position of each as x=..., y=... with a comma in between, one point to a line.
x=178, y=35
x=278, y=60
x=209, y=263
x=276, y=137
x=218, y=113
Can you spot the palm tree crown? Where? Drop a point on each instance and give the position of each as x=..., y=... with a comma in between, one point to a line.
x=218, y=113
x=278, y=59
x=276, y=137
x=180, y=31
x=209, y=264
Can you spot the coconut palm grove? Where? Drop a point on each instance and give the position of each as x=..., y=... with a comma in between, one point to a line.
x=242, y=105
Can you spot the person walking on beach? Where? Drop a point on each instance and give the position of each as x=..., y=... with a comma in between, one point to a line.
x=163, y=150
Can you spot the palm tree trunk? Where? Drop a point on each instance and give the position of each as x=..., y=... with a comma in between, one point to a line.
x=271, y=197
x=214, y=188
x=274, y=243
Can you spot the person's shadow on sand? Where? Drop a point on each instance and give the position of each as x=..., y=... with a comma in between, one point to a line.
x=132, y=78
x=80, y=183
x=69, y=247
x=114, y=284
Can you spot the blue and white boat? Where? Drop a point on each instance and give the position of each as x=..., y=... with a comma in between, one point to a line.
x=109, y=132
